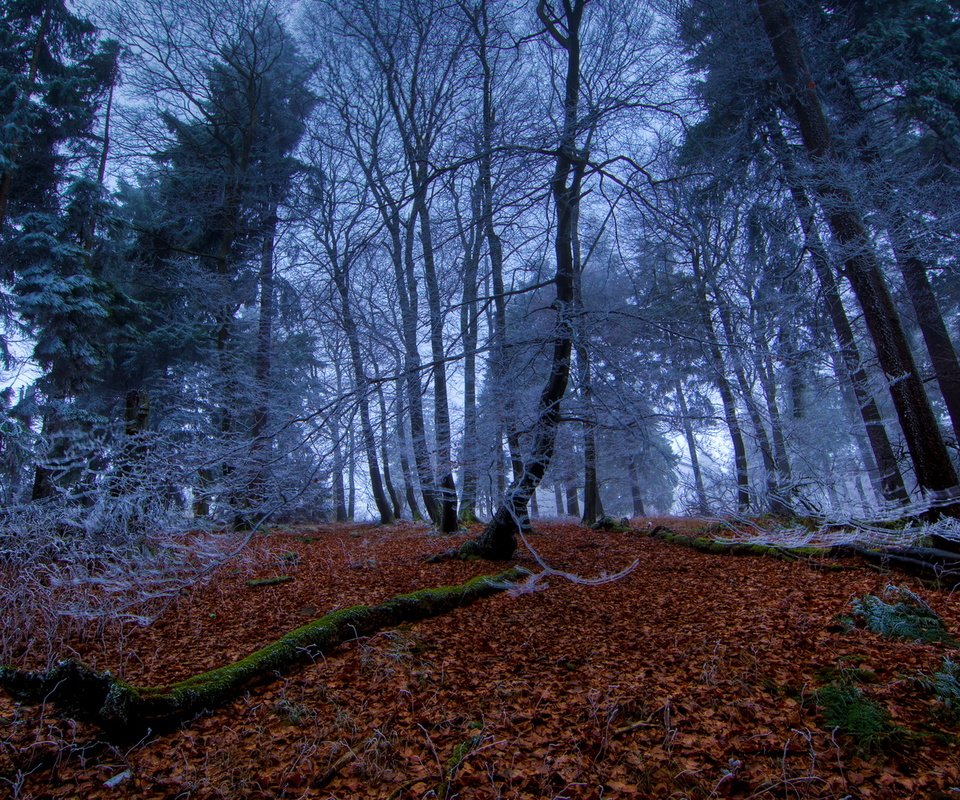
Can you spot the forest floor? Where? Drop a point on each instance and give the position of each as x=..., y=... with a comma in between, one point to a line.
x=695, y=676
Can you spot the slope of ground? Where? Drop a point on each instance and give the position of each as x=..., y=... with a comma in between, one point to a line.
x=695, y=676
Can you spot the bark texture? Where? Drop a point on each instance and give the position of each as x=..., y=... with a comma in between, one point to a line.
x=890, y=480
x=934, y=470
x=498, y=541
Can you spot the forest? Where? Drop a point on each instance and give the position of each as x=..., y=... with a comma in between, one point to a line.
x=629, y=324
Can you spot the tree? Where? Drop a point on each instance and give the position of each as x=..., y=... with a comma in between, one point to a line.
x=56, y=71
x=934, y=470
x=499, y=538
x=209, y=214
x=344, y=232
x=412, y=55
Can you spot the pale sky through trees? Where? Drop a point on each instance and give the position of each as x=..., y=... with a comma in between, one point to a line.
x=310, y=254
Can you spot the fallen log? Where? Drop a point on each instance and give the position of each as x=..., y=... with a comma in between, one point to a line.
x=942, y=572
x=122, y=709
x=936, y=565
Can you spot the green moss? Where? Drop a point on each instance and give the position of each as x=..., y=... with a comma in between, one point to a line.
x=461, y=751
x=468, y=517
x=116, y=704
x=702, y=543
x=854, y=658
x=304, y=641
x=469, y=551
x=612, y=524
x=269, y=581
x=847, y=675
x=705, y=544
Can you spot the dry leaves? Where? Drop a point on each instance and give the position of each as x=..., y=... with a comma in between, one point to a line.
x=692, y=677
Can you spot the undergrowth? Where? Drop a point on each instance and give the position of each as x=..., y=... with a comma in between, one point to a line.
x=945, y=684
x=907, y=617
x=847, y=710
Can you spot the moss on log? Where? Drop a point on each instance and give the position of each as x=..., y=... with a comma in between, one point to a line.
x=257, y=582
x=938, y=567
x=705, y=544
x=122, y=709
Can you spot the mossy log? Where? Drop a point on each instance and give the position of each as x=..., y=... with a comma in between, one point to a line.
x=926, y=563
x=704, y=544
x=935, y=565
x=258, y=582
x=121, y=709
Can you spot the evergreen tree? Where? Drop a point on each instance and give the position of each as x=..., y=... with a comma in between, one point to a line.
x=55, y=71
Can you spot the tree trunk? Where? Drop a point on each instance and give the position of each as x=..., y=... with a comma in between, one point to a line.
x=725, y=390
x=907, y=255
x=495, y=248
x=409, y=303
x=763, y=364
x=262, y=359
x=132, y=712
x=635, y=493
x=934, y=471
x=776, y=502
x=407, y=297
x=859, y=434
x=362, y=389
x=351, y=475
x=42, y=474
x=336, y=479
x=501, y=471
x=395, y=497
x=943, y=356
x=499, y=539
x=408, y=484
x=260, y=442
x=892, y=487
x=573, y=500
x=441, y=410
x=470, y=332
x=592, y=504
x=702, y=505
x=726, y=394
x=130, y=459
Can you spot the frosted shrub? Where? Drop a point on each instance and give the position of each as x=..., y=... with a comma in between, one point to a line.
x=946, y=685
x=907, y=617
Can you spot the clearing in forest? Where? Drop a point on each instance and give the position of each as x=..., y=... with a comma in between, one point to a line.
x=697, y=675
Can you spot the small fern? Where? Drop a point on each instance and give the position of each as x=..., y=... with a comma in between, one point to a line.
x=846, y=710
x=946, y=685
x=907, y=617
